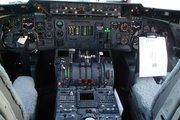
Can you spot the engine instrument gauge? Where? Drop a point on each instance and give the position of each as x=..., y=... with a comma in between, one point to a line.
x=136, y=26
x=146, y=28
x=124, y=41
x=59, y=24
x=154, y=29
x=49, y=26
x=59, y=33
x=49, y=35
x=124, y=27
x=16, y=23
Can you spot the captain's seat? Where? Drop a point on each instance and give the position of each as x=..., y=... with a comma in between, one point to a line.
x=149, y=100
x=17, y=101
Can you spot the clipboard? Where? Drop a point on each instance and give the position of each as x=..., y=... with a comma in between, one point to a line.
x=153, y=59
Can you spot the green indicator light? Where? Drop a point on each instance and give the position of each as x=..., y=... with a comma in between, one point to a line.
x=77, y=30
x=65, y=72
x=84, y=30
x=107, y=30
x=6, y=42
x=68, y=72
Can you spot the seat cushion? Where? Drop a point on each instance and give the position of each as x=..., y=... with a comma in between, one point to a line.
x=24, y=86
x=144, y=91
x=11, y=94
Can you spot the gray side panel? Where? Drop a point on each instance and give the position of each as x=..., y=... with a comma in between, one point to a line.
x=8, y=95
x=160, y=102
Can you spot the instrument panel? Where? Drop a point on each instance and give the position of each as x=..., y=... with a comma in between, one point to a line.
x=85, y=9
x=82, y=26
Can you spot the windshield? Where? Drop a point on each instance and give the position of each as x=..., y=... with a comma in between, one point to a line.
x=159, y=4
x=9, y=2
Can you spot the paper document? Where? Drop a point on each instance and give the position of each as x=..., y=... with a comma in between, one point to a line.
x=120, y=107
x=152, y=57
x=22, y=39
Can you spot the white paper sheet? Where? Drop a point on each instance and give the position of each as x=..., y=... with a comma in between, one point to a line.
x=22, y=39
x=120, y=107
x=153, y=57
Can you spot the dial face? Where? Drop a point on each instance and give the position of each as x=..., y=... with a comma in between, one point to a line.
x=124, y=27
x=136, y=26
x=146, y=28
x=154, y=29
x=28, y=23
x=59, y=24
x=40, y=26
x=124, y=41
x=59, y=33
x=6, y=21
x=16, y=22
x=31, y=37
x=49, y=26
x=49, y=35
x=115, y=25
x=136, y=43
x=41, y=35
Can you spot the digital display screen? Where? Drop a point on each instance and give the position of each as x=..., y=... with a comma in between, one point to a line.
x=86, y=96
x=28, y=23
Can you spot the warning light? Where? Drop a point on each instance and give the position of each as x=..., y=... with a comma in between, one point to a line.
x=80, y=81
x=23, y=6
x=9, y=30
x=88, y=110
x=92, y=81
x=86, y=81
x=38, y=7
x=146, y=10
x=132, y=10
x=59, y=83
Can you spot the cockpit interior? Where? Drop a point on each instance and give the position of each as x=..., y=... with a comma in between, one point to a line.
x=80, y=60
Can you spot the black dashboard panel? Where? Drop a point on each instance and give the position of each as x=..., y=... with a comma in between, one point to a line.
x=63, y=25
